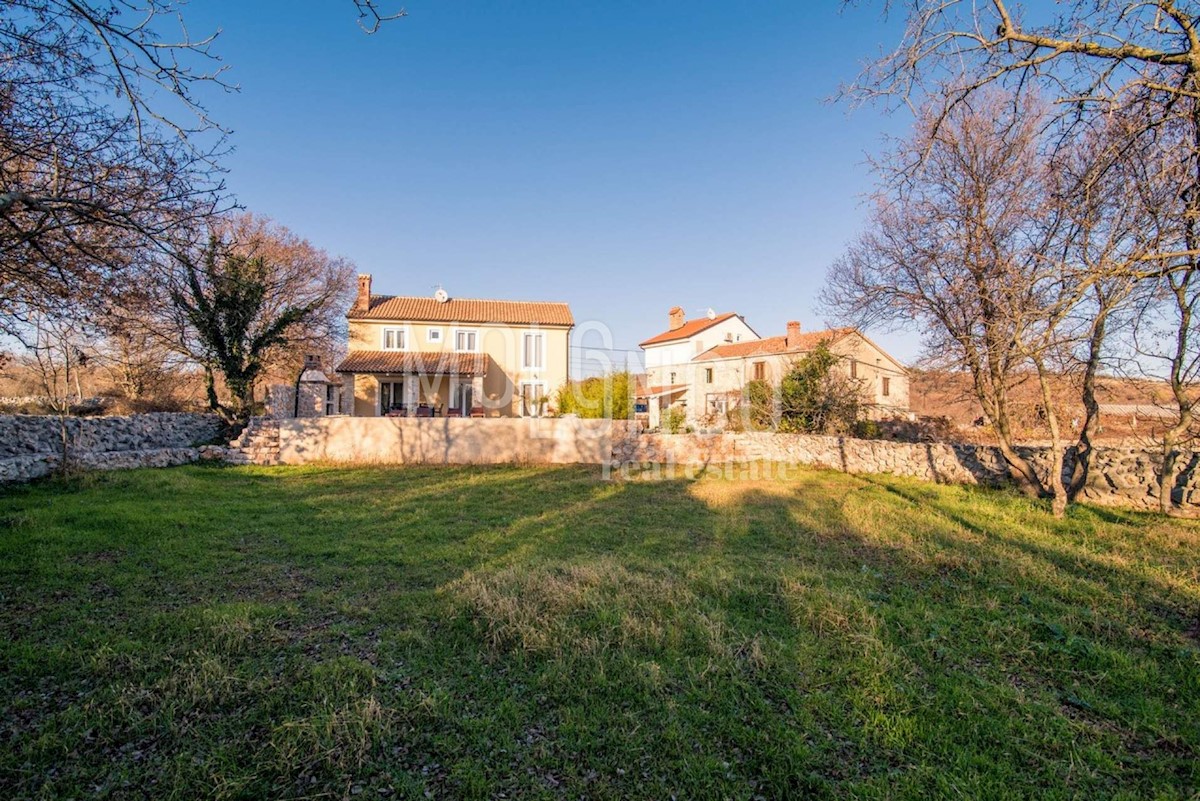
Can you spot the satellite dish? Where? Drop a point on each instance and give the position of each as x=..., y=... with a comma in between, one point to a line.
x=441, y=296
x=712, y=313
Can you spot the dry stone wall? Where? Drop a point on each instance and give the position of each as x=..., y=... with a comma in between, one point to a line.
x=32, y=446
x=1118, y=477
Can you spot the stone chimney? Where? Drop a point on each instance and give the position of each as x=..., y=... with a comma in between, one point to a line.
x=675, y=318
x=793, y=333
x=363, y=302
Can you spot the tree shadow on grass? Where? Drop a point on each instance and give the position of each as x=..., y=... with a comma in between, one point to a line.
x=1076, y=547
x=540, y=631
x=816, y=635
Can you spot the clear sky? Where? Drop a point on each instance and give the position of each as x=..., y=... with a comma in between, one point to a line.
x=624, y=156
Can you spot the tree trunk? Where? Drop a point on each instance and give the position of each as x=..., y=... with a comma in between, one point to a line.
x=224, y=412
x=1019, y=468
x=1091, y=409
x=1054, y=481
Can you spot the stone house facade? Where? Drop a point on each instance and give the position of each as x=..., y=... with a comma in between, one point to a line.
x=703, y=365
x=455, y=357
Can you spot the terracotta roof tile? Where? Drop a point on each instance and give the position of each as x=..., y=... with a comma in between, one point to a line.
x=773, y=345
x=664, y=389
x=689, y=328
x=466, y=310
x=398, y=361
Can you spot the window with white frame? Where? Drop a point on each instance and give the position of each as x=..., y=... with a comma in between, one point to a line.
x=391, y=396
x=433, y=335
x=532, y=395
x=462, y=396
x=394, y=339
x=533, y=347
x=466, y=340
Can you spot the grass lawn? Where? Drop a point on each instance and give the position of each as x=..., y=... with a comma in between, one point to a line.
x=535, y=632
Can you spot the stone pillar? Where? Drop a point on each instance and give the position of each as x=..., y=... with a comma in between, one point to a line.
x=476, y=392
x=412, y=394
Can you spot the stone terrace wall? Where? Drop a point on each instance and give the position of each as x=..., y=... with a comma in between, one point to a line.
x=1119, y=476
x=31, y=446
x=444, y=440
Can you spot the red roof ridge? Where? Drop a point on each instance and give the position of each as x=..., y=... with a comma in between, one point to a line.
x=380, y=298
x=419, y=308
x=689, y=328
x=773, y=345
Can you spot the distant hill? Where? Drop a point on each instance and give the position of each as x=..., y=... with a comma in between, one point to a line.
x=1130, y=408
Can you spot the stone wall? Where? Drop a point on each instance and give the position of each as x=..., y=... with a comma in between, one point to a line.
x=1119, y=476
x=445, y=440
x=32, y=446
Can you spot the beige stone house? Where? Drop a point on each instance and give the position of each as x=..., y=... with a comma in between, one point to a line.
x=457, y=357
x=702, y=365
x=669, y=357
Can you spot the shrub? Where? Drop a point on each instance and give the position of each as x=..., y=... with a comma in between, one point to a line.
x=812, y=398
x=608, y=396
x=758, y=410
x=674, y=420
x=867, y=429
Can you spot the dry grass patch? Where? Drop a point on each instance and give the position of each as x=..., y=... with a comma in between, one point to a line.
x=590, y=607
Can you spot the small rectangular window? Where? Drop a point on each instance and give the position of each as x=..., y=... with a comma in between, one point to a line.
x=465, y=341
x=708, y=375
x=433, y=335
x=854, y=371
x=887, y=386
x=393, y=339
x=532, y=350
x=760, y=371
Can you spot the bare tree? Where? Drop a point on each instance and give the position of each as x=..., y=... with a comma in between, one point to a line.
x=371, y=17
x=60, y=350
x=1126, y=59
x=137, y=360
x=1091, y=57
x=950, y=246
x=107, y=150
x=1109, y=216
x=1176, y=287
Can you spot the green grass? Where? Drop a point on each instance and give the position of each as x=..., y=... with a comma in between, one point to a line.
x=542, y=633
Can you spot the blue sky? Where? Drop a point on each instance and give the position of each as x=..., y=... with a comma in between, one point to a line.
x=622, y=156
